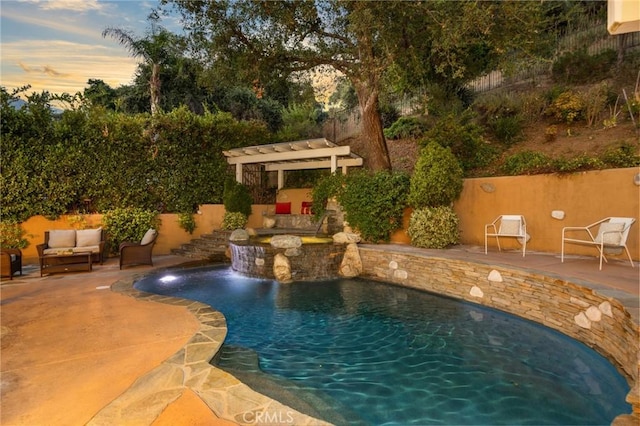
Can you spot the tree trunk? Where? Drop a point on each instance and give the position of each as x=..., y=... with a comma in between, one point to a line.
x=378, y=155
x=154, y=88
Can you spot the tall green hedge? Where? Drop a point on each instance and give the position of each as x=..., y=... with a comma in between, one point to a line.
x=90, y=158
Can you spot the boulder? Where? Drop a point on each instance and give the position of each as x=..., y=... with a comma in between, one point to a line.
x=281, y=268
x=351, y=265
x=286, y=241
x=346, y=238
x=239, y=235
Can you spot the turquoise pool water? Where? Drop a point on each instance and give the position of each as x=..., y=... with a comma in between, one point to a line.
x=364, y=352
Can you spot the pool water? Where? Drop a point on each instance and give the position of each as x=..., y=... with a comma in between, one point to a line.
x=365, y=352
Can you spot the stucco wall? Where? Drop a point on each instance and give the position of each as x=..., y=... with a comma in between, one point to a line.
x=584, y=197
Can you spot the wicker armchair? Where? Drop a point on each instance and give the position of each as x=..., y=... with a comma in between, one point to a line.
x=138, y=253
x=10, y=262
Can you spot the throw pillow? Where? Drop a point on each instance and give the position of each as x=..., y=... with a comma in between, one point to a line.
x=610, y=233
x=306, y=207
x=59, y=238
x=283, y=208
x=88, y=237
x=148, y=237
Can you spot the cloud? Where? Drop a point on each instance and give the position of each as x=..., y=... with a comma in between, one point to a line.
x=73, y=5
x=46, y=69
x=58, y=66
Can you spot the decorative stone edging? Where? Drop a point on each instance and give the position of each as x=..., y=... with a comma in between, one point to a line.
x=599, y=321
x=225, y=395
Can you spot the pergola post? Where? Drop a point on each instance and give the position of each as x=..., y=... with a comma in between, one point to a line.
x=280, y=179
x=334, y=163
x=239, y=172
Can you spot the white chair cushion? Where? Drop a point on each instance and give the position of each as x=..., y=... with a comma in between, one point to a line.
x=612, y=238
x=509, y=227
x=62, y=238
x=88, y=237
x=148, y=237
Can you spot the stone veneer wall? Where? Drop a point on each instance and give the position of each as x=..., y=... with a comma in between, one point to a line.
x=577, y=311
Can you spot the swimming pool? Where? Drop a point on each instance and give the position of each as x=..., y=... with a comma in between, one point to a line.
x=364, y=352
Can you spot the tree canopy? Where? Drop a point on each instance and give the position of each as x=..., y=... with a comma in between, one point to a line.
x=436, y=41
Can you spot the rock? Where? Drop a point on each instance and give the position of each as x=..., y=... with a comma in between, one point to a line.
x=351, y=265
x=495, y=276
x=268, y=222
x=281, y=268
x=582, y=320
x=476, y=292
x=346, y=238
x=239, y=235
x=594, y=314
x=557, y=214
x=286, y=241
x=488, y=187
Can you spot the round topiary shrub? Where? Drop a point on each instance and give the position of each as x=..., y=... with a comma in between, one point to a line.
x=436, y=179
x=234, y=220
x=433, y=227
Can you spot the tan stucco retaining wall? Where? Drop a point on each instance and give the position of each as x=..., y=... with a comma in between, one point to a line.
x=584, y=198
x=600, y=322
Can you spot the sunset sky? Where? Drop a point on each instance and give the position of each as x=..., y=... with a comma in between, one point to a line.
x=58, y=45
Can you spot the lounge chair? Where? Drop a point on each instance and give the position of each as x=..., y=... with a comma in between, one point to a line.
x=507, y=225
x=10, y=262
x=132, y=253
x=612, y=232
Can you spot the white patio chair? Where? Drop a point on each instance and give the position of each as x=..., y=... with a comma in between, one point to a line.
x=507, y=225
x=612, y=232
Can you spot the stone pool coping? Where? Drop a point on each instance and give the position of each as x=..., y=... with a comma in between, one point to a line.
x=226, y=396
x=232, y=400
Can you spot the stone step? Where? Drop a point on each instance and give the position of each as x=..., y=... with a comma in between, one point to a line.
x=212, y=247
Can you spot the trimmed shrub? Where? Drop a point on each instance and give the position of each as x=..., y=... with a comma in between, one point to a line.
x=234, y=220
x=374, y=203
x=12, y=235
x=128, y=224
x=237, y=198
x=433, y=227
x=436, y=179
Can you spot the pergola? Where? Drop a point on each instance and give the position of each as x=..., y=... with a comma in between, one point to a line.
x=297, y=155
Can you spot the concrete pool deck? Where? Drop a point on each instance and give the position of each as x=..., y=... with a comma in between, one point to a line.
x=71, y=347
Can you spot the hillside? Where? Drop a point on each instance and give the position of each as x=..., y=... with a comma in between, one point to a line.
x=571, y=141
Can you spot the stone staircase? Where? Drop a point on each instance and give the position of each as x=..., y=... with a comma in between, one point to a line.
x=212, y=247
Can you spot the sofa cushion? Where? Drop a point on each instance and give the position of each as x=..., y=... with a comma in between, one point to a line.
x=84, y=249
x=59, y=250
x=148, y=237
x=62, y=238
x=88, y=237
